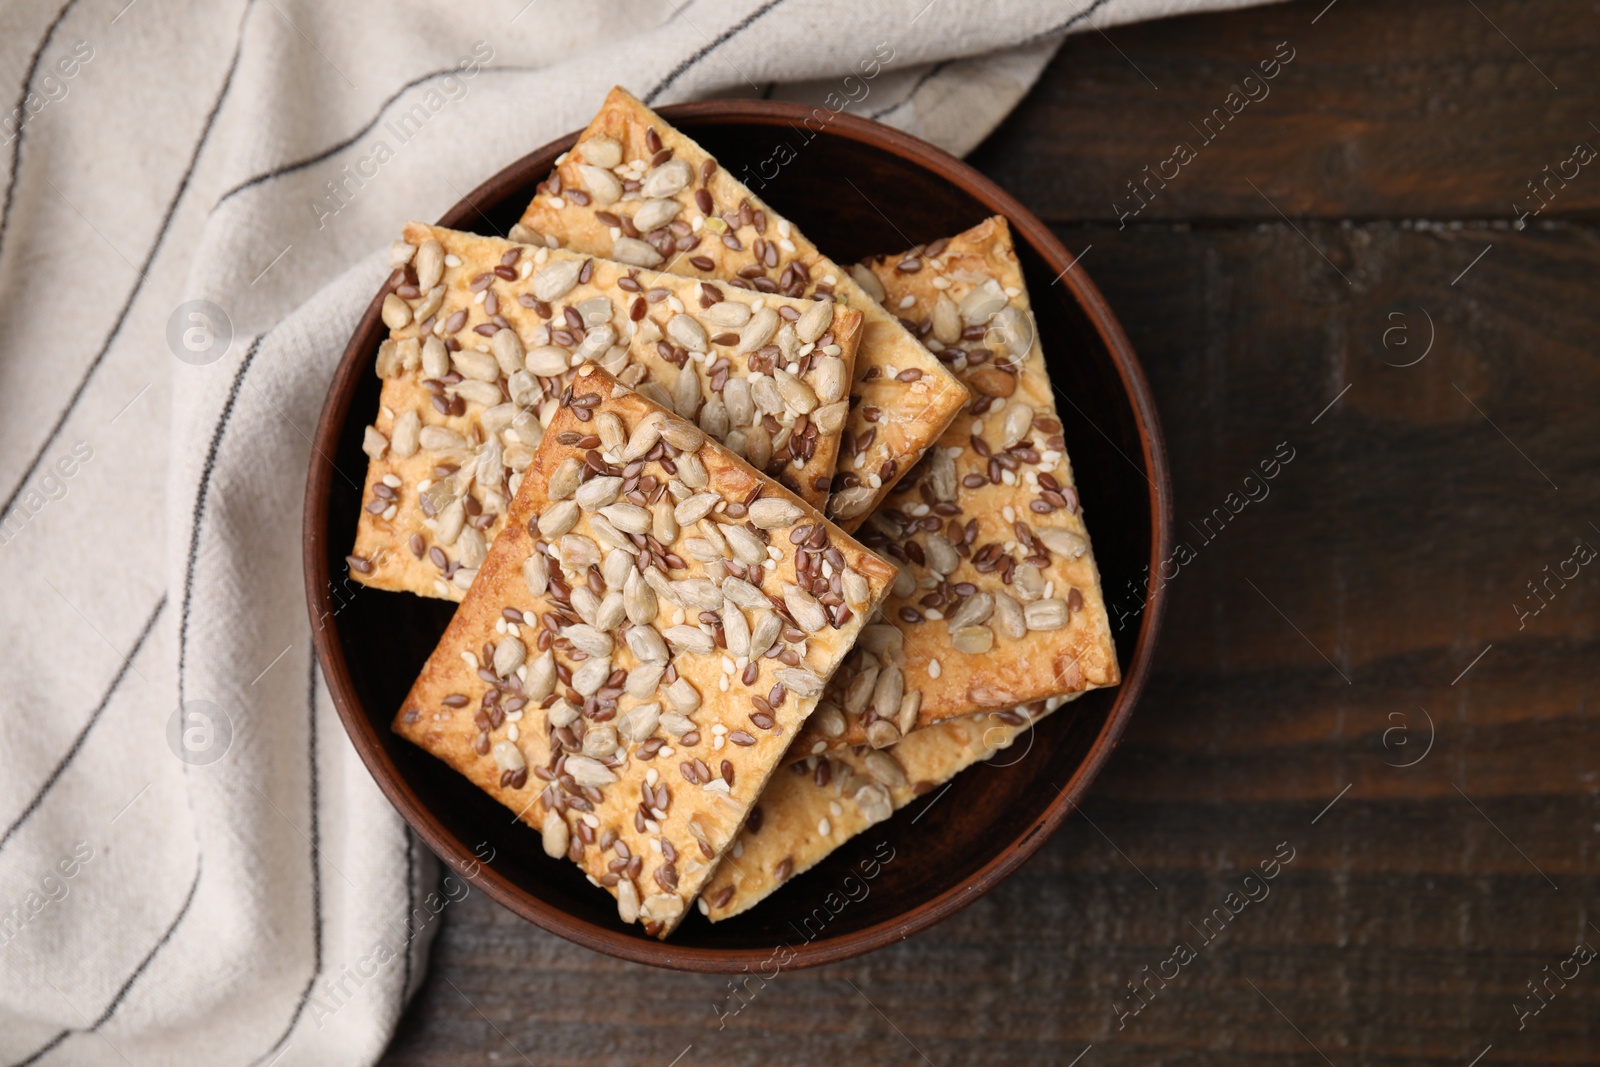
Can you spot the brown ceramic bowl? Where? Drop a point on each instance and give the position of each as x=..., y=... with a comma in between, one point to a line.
x=900, y=191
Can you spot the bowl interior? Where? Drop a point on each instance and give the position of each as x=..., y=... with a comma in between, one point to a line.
x=990, y=816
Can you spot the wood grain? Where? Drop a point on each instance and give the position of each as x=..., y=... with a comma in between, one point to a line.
x=1395, y=545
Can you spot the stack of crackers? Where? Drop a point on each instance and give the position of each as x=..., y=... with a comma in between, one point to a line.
x=751, y=548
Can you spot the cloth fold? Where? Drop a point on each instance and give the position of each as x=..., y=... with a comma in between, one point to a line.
x=194, y=865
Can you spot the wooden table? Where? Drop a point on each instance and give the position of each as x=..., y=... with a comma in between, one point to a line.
x=1338, y=273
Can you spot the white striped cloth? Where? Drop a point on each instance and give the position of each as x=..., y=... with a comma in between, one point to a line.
x=257, y=900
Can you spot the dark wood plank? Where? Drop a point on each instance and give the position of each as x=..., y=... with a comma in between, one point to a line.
x=1307, y=633
x=1424, y=111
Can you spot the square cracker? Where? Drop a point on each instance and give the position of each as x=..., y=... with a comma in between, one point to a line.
x=425, y=529
x=998, y=602
x=592, y=680
x=815, y=805
x=699, y=220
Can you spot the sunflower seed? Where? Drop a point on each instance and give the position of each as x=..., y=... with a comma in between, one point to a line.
x=597, y=493
x=654, y=214
x=728, y=314
x=601, y=152
x=682, y=435
x=668, y=179
x=644, y=678
x=609, y=429
x=407, y=434
x=1061, y=542
x=587, y=639
x=827, y=720
x=508, y=757
x=644, y=437
x=435, y=358
x=946, y=320
x=887, y=692
x=1016, y=424
x=848, y=503
x=635, y=253
x=637, y=725
x=627, y=901
x=755, y=333
x=797, y=395
x=638, y=601
x=471, y=548
x=555, y=834
x=714, y=417
x=692, y=471
x=685, y=393
x=972, y=640
x=828, y=379
x=735, y=630
x=564, y=479
x=646, y=644
x=882, y=733
x=396, y=312
x=451, y=521
x=561, y=713
x=981, y=304
x=764, y=391
x=373, y=443
x=591, y=675
x=536, y=575
x=1046, y=614
x=629, y=518
x=765, y=631
x=741, y=410
x=1011, y=331
x=429, y=304
x=683, y=697
x=868, y=281
x=590, y=772
x=748, y=550
x=973, y=611
x=772, y=512
x=429, y=263
x=696, y=508
x=474, y=364
x=690, y=639
x=885, y=769
x=910, y=707
x=555, y=280
x=829, y=419
x=477, y=391
x=699, y=594
x=800, y=681
x=577, y=551
x=805, y=609
x=600, y=182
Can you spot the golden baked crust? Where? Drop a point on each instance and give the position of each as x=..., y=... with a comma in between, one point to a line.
x=998, y=602
x=447, y=455
x=687, y=215
x=591, y=680
x=813, y=806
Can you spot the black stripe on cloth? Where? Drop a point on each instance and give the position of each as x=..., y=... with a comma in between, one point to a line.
x=316, y=870
x=201, y=495
x=22, y=102
x=932, y=73
x=711, y=46
x=122, y=992
x=1064, y=26
x=94, y=717
x=144, y=274
x=335, y=149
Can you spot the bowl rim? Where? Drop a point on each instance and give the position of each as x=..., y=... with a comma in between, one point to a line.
x=454, y=852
